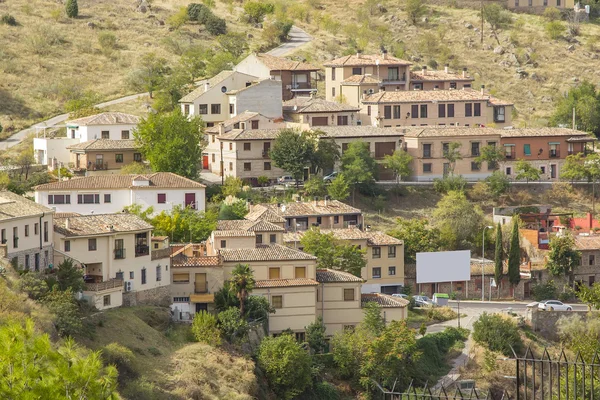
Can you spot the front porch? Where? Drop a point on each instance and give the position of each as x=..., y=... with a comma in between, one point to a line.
x=104, y=295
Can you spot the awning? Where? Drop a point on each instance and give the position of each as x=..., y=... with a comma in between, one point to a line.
x=202, y=298
x=553, y=142
x=582, y=139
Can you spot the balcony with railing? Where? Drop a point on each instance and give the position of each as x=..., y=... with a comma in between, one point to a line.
x=554, y=153
x=119, y=254
x=265, y=153
x=510, y=156
x=394, y=79
x=100, y=286
x=142, y=250
x=98, y=167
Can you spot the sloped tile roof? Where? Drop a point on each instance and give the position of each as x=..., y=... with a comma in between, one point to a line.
x=361, y=80
x=591, y=242
x=441, y=75
x=99, y=224
x=283, y=64
x=275, y=283
x=13, y=205
x=452, y=131
x=233, y=233
x=106, y=118
x=242, y=117
x=532, y=132
x=306, y=208
x=166, y=180
x=384, y=300
x=365, y=59
x=274, y=252
x=426, y=96
x=260, y=212
x=105, y=144
x=250, y=226
x=315, y=105
x=373, y=238
x=250, y=134
x=330, y=276
x=348, y=131
x=200, y=90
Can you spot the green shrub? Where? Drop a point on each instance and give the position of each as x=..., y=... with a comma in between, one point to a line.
x=154, y=351
x=568, y=295
x=450, y=183
x=232, y=325
x=552, y=14
x=321, y=391
x=554, y=29
x=107, y=41
x=497, y=333
x=255, y=11
x=34, y=285
x=263, y=180
x=216, y=26
x=204, y=14
x=67, y=316
x=8, y=19
x=546, y=291
x=194, y=10
x=178, y=19
x=205, y=329
x=209, y=3
x=72, y=8
x=119, y=356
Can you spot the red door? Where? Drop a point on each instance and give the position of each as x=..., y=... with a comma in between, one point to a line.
x=190, y=200
x=205, y=161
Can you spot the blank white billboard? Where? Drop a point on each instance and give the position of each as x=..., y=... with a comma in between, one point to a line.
x=444, y=266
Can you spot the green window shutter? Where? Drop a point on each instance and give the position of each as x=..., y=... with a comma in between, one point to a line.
x=527, y=149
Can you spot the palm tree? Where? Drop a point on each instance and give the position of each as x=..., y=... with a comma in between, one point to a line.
x=242, y=283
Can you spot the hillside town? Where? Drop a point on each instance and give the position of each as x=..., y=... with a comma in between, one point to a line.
x=364, y=226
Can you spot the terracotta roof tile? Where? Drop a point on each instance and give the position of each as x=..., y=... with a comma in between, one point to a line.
x=451, y=131
x=275, y=283
x=360, y=131
x=365, y=59
x=525, y=132
x=330, y=276
x=13, y=205
x=106, y=118
x=105, y=144
x=250, y=226
x=233, y=233
x=373, y=238
x=361, y=80
x=283, y=64
x=159, y=238
x=441, y=75
x=242, y=117
x=259, y=212
x=384, y=300
x=591, y=242
x=306, y=208
x=273, y=252
x=99, y=224
x=250, y=134
x=426, y=96
x=167, y=180
x=315, y=105
x=201, y=89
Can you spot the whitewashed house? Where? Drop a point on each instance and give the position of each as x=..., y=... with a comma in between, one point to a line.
x=102, y=194
x=114, y=251
x=26, y=231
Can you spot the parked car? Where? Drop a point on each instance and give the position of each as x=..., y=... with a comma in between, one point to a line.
x=401, y=295
x=423, y=301
x=286, y=180
x=554, y=305
x=330, y=177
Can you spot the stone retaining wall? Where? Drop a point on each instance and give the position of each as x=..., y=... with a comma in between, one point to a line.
x=159, y=296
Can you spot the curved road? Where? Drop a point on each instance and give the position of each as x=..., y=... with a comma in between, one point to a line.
x=297, y=38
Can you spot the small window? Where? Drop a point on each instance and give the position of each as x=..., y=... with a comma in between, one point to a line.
x=92, y=245
x=106, y=300
x=392, y=252
x=137, y=157
x=26, y=261
x=592, y=259
x=247, y=146
x=441, y=111
x=118, y=158
x=468, y=110
x=475, y=166
x=277, y=301
x=46, y=231
x=15, y=237
x=348, y=294
x=274, y=273
x=231, y=166
x=267, y=166
x=423, y=110
x=36, y=229
x=105, y=134
x=527, y=149
x=376, y=272
x=356, y=71
x=158, y=273
x=259, y=239
x=223, y=244
x=333, y=74
x=391, y=271
x=508, y=171
x=131, y=275
x=143, y=276
x=542, y=169
x=161, y=198
x=477, y=109
x=203, y=109
x=26, y=230
x=247, y=166
x=336, y=219
x=255, y=124
x=396, y=112
x=333, y=92
x=124, y=135
x=450, y=113
x=181, y=277
x=273, y=238
x=107, y=198
x=414, y=111
x=300, y=272
x=215, y=109
x=376, y=252
x=230, y=146
x=186, y=109
x=387, y=112
x=427, y=168
x=232, y=109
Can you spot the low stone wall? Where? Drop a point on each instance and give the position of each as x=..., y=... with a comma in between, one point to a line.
x=17, y=258
x=544, y=322
x=159, y=296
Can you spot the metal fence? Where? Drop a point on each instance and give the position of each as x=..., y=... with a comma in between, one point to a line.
x=537, y=377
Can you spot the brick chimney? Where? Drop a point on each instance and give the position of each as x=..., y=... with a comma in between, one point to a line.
x=384, y=54
x=67, y=224
x=446, y=68
x=424, y=69
x=590, y=222
x=316, y=201
x=482, y=90
x=221, y=129
x=464, y=72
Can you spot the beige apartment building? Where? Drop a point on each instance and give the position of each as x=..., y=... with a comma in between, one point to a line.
x=538, y=6
x=445, y=79
x=466, y=107
x=103, y=155
x=427, y=146
x=384, y=254
x=307, y=112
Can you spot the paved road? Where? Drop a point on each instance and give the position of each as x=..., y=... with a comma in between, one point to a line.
x=499, y=306
x=21, y=135
x=297, y=38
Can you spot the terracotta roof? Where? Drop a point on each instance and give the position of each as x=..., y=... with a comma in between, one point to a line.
x=259, y=212
x=361, y=80
x=452, y=131
x=432, y=75
x=200, y=90
x=106, y=118
x=250, y=134
x=591, y=242
x=100, y=224
x=315, y=105
x=384, y=300
x=181, y=260
x=373, y=238
x=105, y=144
x=13, y=205
x=365, y=59
x=305, y=208
x=66, y=214
x=166, y=180
x=331, y=275
x=159, y=238
x=283, y=64
x=275, y=283
x=347, y=131
x=233, y=233
x=526, y=132
x=251, y=226
x=274, y=252
x=426, y=96
x=242, y=117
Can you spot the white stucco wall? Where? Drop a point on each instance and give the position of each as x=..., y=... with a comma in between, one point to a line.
x=91, y=132
x=264, y=98
x=44, y=149
x=253, y=66
x=31, y=241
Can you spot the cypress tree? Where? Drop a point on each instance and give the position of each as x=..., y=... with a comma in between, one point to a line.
x=499, y=256
x=514, y=255
x=72, y=9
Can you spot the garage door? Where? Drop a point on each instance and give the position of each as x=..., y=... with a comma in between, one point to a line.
x=319, y=121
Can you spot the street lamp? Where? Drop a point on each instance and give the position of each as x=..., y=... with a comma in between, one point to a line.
x=482, y=262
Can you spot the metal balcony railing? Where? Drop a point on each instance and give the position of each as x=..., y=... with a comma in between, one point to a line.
x=119, y=254
x=142, y=250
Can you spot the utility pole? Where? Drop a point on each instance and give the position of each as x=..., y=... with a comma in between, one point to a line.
x=481, y=21
x=222, y=169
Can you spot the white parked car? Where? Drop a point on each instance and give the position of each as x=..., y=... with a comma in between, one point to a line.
x=330, y=177
x=401, y=295
x=286, y=180
x=554, y=305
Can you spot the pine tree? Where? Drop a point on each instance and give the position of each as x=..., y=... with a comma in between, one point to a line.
x=499, y=256
x=72, y=9
x=514, y=255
